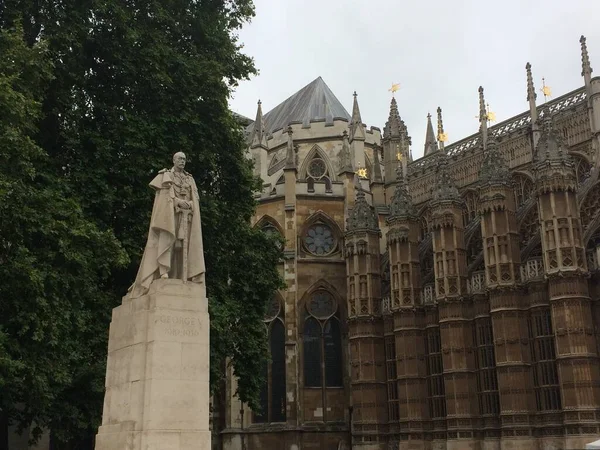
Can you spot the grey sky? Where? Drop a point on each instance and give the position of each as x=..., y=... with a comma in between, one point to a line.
x=439, y=51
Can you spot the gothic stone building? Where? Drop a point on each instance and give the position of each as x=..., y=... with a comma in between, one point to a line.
x=448, y=302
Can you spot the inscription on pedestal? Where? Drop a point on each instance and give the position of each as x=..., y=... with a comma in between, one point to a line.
x=179, y=326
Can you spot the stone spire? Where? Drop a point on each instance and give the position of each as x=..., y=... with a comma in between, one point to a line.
x=344, y=156
x=363, y=216
x=377, y=177
x=440, y=127
x=494, y=168
x=430, y=140
x=259, y=133
x=357, y=129
x=531, y=95
x=401, y=204
x=395, y=127
x=290, y=158
x=483, y=117
x=444, y=187
x=586, y=68
x=551, y=148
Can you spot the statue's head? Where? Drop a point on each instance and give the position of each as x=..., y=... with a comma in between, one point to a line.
x=179, y=160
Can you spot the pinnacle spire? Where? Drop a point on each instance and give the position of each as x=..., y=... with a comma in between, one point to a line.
x=494, y=168
x=551, y=147
x=345, y=158
x=363, y=215
x=444, y=187
x=259, y=133
x=531, y=95
x=430, y=140
x=440, y=127
x=483, y=117
x=393, y=126
x=401, y=204
x=290, y=160
x=357, y=129
x=586, y=68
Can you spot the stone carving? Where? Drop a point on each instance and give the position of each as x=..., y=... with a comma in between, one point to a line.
x=174, y=248
x=363, y=216
x=494, y=168
x=402, y=203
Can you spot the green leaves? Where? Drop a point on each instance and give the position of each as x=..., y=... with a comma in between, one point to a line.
x=95, y=97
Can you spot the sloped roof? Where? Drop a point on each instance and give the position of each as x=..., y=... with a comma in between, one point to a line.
x=315, y=101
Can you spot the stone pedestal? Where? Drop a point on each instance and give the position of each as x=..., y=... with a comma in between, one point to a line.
x=157, y=374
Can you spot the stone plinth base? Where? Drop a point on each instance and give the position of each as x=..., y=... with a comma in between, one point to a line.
x=157, y=374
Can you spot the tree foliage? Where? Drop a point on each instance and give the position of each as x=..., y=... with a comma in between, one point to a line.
x=118, y=87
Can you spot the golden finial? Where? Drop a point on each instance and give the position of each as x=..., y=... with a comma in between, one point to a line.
x=395, y=87
x=546, y=90
x=362, y=172
x=491, y=116
x=442, y=137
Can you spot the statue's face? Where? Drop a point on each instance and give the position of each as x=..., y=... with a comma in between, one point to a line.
x=179, y=160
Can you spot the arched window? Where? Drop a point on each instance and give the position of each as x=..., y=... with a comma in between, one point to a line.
x=317, y=171
x=272, y=395
x=523, y=187
x=322, y=342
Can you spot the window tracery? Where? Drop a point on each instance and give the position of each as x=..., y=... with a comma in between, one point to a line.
x=529, y=226
x=322, y=341
x=470, y=210
x=590, y=206
x=523, y=188
x=582, y=168
x=317, y=170
x=272, y=395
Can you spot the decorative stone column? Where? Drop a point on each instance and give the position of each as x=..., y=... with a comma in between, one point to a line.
x=365, y=328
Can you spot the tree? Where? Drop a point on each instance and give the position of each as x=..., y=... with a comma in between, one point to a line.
x=133, y=82
x=54, y=262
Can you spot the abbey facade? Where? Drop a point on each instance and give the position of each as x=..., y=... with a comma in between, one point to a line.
x=448, y=302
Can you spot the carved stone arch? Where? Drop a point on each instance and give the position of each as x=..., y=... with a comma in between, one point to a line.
x=523, y=186
x=583, y=166
x=316, y=152
x=276, y=308
x=470, y=200
x=266, y=221
x=369, y=166
x=589, y=211
x=323, y=285
x=312, y=222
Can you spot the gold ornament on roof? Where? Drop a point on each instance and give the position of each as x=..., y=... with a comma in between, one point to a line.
x=399, y=156
x=395, y=87
x=362, y=172
x=546, y=90
x=442, y=137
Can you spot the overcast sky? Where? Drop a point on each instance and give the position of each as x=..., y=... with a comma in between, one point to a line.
x=440, y=51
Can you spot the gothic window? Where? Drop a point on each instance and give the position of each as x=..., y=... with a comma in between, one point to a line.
x=322, y=341
x=271, y=231
x=470, y=210
x=590, y=206
x=319, y=239
x=392, y=382
x=272, y=394
x=523, y=187
x=582, y=168
x=317, y=172
x=529, y=227
x=435, y=375
x=545, y=375
x=487, y=383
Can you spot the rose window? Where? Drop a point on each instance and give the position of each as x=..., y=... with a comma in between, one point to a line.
x=319, y=240
x=317, y=168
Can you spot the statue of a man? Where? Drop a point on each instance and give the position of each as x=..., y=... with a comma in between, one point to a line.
x=174, y=248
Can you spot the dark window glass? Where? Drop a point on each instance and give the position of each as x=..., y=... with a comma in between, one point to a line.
x=312, y=353
x=333, y=354
x=278, y=372
x=262, y=415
